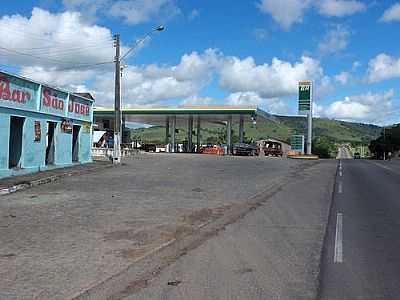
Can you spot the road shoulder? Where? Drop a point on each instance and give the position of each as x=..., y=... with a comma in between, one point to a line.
x=274, y=252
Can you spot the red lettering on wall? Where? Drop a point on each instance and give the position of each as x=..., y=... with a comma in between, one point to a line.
x=46, y=97
x=12, y=94
x=16, y=96
x=78, y=108
x=49, y=100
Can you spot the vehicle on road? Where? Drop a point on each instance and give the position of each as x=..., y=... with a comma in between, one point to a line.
x=273, y=149
x=243, y=149
x=212, y=149
x=356, y=155
x=148, y=147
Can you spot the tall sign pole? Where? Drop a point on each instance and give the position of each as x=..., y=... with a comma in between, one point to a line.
x=117, y=103
x=305, y=107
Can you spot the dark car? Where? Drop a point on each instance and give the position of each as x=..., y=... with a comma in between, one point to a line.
x=149, y=147
x=243, y=149
x=357, y=155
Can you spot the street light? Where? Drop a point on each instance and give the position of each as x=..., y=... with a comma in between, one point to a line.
x=117, y=104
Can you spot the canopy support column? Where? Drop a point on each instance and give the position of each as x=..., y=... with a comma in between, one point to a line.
x=229, y=135
x=198, y=134
x=167, y=144
x=190, y=134
x=173, y=135
x=241, y=127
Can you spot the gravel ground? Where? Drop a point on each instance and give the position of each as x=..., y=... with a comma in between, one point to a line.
x=59, y=239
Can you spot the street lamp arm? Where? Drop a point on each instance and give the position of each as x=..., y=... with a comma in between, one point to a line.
x=140, y=41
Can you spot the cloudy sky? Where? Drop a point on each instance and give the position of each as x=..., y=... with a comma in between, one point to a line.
x=214, y=52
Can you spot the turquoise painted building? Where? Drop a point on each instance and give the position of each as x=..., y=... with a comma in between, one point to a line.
x=41, y=127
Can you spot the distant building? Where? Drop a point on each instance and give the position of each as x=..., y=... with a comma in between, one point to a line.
x=42, y=127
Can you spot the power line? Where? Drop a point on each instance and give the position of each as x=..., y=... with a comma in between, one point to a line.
x=65, y=49
x=36, y=56
x=35, y=36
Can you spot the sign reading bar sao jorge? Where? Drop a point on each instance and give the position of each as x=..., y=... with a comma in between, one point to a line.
x=305, y=94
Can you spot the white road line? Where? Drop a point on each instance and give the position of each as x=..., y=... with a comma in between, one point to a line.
x=340, y=173
x=338, y=256
x=340, y=187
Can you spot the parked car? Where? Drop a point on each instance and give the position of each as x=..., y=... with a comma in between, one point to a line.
x=243, y=149
x=149, y=147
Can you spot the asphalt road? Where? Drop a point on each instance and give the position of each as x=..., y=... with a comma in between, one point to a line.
x=362, y=256
x=274, y=252
x=344, y=153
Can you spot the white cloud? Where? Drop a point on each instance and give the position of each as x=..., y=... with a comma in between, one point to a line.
x=383, y=67
x=195, y=13
x=196, y=100
x=56, y=36
x=343, y=77
x=260, y=34
x=278, y=79
x=285, y=12
x=140, y=11
x=365, y=107
x=90, y=8
x=355, y=66
x=272, y=105
x=340, y=8
x=289, y=12
x=391, y=14
x=131, y=11
x=53, y=40
x=336, y=40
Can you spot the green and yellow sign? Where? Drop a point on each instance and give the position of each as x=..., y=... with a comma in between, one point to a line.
x=305, y=88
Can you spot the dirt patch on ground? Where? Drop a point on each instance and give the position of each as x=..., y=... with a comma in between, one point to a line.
x=138, y=237
x=134, y=253
x=204, y=215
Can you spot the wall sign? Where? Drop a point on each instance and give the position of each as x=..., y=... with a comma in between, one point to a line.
x=86, y=127
x=38, y=132
x=79, y=108
x=17, y=93
x=53, y=101
x=66, y=126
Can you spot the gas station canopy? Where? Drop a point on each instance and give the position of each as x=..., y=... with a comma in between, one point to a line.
x=207, y=114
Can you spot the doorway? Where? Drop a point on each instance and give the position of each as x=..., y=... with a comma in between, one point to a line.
x=50, y=145
x=75, y=143
x=15, y=145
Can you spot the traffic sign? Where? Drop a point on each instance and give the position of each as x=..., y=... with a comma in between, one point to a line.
x=297, y=143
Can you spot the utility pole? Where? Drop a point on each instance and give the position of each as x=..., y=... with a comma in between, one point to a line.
x=117, y=103
x=384, y=142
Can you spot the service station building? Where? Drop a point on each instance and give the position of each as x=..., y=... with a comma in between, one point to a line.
x=41, y=127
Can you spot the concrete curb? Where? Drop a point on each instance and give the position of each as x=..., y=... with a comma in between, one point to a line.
x=49, y=179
